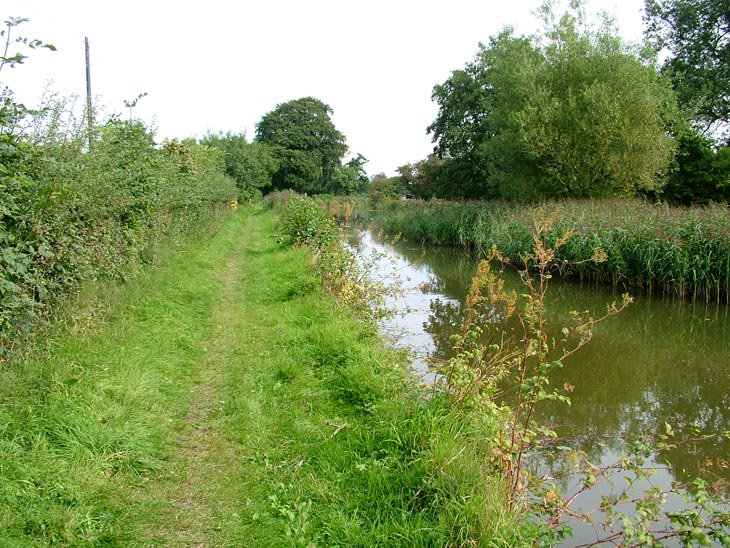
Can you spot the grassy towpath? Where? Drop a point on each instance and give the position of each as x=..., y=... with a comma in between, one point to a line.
x=225, y=400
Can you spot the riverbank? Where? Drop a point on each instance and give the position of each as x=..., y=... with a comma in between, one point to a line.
x=225, y=399
x=684, y=252
x=661, y=361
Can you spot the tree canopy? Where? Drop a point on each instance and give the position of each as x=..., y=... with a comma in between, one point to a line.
x=697, y=35
x=349, y=178
x=306, y=144
x=251, y=165
x=573, y=112
x=419, y=179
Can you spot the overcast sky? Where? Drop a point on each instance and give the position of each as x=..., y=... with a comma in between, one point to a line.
x=220, y=65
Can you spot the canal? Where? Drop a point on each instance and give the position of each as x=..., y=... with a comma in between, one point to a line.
x=660, y=362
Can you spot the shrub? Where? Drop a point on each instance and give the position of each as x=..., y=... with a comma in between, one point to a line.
x=304, y=222
x=69, y=213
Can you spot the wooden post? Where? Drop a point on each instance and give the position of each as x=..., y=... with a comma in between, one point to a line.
x=89, y=110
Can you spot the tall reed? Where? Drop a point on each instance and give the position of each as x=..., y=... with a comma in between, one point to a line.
x=683, y=252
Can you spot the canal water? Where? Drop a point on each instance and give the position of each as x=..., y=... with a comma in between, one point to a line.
x=659, y=362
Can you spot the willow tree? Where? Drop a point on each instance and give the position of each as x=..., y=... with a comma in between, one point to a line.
x=571, y=112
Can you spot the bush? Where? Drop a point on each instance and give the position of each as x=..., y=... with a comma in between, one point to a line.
x=304, y=222
x=699, y=174
x=251, y=165
x=69, y=213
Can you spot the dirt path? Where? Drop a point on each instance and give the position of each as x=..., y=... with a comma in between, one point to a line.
x=204, y=454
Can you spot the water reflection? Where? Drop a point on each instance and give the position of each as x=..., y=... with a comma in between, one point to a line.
x=660, y=361
x=657, y=362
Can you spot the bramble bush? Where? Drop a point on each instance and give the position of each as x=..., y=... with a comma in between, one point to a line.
x=74, y=215
x=75, y=209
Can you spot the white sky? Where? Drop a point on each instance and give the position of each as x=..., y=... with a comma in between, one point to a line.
x=221, y=65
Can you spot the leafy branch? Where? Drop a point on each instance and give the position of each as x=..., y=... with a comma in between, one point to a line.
x=6, y=35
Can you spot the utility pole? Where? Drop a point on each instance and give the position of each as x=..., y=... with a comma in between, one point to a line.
x=89, y=110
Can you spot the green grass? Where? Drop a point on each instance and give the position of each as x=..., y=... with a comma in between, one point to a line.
x=684, y=252
x=87, y=414
x=223, y=399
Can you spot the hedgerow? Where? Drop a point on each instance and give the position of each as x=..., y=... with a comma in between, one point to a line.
x=73, y=210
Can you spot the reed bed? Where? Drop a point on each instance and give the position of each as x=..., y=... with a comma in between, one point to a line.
x=654, y=249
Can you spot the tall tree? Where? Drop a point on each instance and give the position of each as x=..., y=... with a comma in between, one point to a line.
x=594, y=119
x=306, y=143
x=573, y=112
x=697, y=35
x=460, y=129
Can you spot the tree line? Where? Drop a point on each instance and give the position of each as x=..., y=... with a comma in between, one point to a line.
x=297, y=147
x=570, y=112
x=575, y=112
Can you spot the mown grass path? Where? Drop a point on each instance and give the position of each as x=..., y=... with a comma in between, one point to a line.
x=205, y=458
x=221, y=474
x=225, y=400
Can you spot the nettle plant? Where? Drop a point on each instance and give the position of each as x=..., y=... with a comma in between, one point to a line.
x=491, y=358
